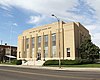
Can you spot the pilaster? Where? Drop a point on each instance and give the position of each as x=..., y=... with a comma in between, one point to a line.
x=42, y=46
x=35, y=51
x=25, y=54
x=50, y=45
x=30, y=47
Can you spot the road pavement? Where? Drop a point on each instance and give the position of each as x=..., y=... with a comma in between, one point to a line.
x=18, y=73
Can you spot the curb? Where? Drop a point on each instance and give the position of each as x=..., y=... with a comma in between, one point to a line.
x=54, y=68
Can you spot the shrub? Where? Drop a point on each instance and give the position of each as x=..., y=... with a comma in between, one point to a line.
x=70, y=62
x=13, y=61
x=18, y=62
x=63, y=62
x=86, y=61
x=51, y=62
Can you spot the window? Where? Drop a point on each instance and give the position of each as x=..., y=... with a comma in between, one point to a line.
x=53, y=51
x=19, y=54
x=33, y=41
x=27, y=43
x=46, y=40
x=68, y=52
x=46, y=46
x=46, y=52
x=54, y=45
x=54, y=39
x=39, y=41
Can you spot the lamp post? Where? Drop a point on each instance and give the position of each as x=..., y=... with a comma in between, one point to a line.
x=58, y=39
x=10, y=39
x=44, y=54
x=99, y=54
x=10, y=45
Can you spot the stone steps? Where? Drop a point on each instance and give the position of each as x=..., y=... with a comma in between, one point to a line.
x=34, y=63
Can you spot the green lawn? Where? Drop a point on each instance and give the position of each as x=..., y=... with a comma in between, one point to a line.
x=12, y=62
x=83, y=65
x=8, y=63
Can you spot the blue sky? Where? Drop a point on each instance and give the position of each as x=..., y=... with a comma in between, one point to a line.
x=19, y=15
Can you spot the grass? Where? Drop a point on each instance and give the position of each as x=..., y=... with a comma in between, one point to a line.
x=8, y=63
x=13, y=62
x=83, y=65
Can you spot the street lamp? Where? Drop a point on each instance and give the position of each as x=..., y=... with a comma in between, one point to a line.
x=10, y=42
x=11, y=31
x=58, y=38
x=44, y=54
x=99, y=55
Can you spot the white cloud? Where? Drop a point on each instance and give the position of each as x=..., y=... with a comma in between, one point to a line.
x=34, y=19
x=9, y=15
x=4, y=7
x=95, y=5
x=15, y=24
x=96, y=38
x=95, y=33
x=91, y=27
x=47, y=7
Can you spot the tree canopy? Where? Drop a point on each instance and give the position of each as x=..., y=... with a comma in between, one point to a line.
x=88, y=50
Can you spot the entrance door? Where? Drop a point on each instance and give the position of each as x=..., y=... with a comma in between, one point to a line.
x=38, y=56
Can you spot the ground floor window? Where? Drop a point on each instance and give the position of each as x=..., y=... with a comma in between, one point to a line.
x=33, y=53
x=53, y=51
x=46, y=52
x=39, y=54
x=68, y=52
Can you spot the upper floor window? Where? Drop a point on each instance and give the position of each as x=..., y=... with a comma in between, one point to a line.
x=54, y=39
x=46, y=40
x=39, y=41
x=33, y=41
x=27, y=43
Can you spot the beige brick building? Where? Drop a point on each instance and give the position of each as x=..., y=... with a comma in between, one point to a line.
x=42, y=43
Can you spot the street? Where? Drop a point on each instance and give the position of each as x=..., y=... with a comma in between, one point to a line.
x=14, y=73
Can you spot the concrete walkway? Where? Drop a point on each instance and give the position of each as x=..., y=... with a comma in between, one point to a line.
x=54, y=68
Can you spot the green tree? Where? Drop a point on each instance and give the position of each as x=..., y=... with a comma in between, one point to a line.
x=88, y=50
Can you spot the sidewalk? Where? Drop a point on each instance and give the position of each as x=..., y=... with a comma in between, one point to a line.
x=54, y=68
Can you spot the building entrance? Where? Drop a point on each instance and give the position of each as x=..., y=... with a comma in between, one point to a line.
x=38, y=56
